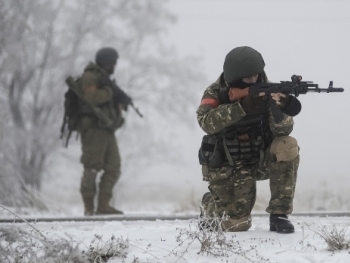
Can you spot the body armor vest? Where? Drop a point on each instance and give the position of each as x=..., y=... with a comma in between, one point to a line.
x=244, y=141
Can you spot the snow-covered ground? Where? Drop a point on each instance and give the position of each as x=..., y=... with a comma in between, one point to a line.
x=160, y=241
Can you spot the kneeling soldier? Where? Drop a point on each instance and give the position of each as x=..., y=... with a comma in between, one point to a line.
x=245, y=144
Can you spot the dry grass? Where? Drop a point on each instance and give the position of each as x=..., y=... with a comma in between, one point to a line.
x=22, y=246
x=101, y=251
x=336, y=237
x=212, y=239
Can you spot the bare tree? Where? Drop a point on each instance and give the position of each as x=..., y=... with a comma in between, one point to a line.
x=26, y=76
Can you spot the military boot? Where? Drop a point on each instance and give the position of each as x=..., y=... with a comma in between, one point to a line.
x=104, y=208
x=281, y=224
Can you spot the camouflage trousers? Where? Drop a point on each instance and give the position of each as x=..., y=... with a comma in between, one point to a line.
x=233, y=189
x=99, y=152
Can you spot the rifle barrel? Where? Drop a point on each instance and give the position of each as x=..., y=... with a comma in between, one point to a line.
x=136, y=110
x=319, y=90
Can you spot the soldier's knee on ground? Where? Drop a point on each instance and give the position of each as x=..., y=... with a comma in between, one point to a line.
x=206, y=199
x=285, y=148
x=237, y=225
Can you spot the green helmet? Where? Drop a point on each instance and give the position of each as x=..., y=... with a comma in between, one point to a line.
x=242, y=62
x=106, y=56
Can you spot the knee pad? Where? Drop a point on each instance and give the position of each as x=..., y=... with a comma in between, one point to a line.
x=285, y=148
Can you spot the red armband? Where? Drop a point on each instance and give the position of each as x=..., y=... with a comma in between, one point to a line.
x=211, y=102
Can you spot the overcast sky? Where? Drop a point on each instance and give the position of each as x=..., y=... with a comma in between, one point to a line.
x=309, y=38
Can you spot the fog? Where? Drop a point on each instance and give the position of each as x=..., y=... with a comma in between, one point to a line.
x=308, y=38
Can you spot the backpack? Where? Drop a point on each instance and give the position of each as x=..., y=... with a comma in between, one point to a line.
x=71, y=114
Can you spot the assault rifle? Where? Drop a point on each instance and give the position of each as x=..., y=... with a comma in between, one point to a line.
x=119, y=96
x=294, y=87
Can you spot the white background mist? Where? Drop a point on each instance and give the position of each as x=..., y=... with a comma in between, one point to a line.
x=309, y=38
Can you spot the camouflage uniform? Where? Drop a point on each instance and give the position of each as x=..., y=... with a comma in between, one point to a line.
x=99, y=144
x=233, y=186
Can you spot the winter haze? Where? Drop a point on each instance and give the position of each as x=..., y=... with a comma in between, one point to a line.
x=169, y=54
x=294, y=37
x=308, y=38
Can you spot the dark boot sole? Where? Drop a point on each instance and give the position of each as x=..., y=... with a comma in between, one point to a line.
x=283, y=231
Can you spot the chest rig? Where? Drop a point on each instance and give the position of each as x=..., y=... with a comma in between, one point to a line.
x=244, y=142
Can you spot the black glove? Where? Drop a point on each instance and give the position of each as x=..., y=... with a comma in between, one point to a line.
x=254, y=104
x=290, y=105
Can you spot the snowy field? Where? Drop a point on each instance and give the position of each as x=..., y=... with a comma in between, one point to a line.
x=175, y=241
x=295, y=37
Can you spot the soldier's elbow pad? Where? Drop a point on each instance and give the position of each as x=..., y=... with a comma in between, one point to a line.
x=285, y=148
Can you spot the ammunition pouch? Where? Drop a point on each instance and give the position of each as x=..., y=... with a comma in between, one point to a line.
x=209, y=152
x=216, y=150
x=243, y=142
x=247, y=151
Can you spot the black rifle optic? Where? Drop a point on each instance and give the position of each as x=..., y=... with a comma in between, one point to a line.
x=294, y=87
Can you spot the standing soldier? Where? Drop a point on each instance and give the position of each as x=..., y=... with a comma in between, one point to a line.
x=99, y=144
x=245, y=144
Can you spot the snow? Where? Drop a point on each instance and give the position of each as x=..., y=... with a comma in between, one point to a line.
x=181, y=187
x=156, y=241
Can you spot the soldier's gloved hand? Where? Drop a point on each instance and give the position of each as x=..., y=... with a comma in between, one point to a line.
x=288, y=104
x=254, y=104
x=280, y=99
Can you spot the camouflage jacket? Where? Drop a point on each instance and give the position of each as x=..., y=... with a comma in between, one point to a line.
x=214, y=117
x=98, y=93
